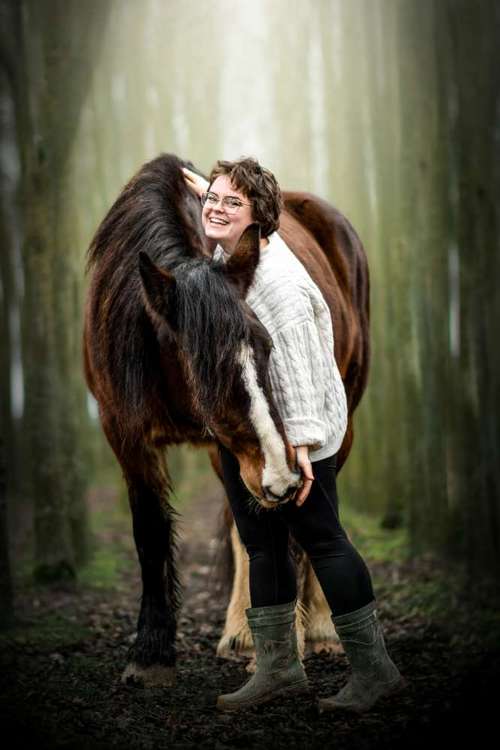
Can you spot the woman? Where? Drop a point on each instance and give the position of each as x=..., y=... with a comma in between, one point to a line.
x=239, y=193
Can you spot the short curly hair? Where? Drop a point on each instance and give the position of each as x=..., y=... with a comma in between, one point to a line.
x=259, y=185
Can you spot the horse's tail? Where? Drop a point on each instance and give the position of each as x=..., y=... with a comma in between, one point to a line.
x=223, y=568
x=224, y=559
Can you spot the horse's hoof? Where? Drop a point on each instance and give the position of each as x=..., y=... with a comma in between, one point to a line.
x=234, y=648
x=252, y=665
x=325, y=647
x=149, y=677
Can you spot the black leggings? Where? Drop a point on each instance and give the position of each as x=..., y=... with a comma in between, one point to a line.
x=340, y=569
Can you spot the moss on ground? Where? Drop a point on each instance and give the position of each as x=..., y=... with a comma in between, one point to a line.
x=45, y=632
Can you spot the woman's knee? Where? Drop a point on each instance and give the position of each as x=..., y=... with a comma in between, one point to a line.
x=263, y=546
x=336, y=545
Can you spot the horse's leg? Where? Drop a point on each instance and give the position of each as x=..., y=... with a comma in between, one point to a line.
x=236, y=638
x=151, y=658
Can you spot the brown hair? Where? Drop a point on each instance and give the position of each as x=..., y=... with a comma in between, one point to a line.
x=259, y=185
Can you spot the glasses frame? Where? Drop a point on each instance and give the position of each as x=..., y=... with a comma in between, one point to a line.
x=221, y=199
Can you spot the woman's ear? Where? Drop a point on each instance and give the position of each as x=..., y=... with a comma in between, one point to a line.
x=240, y=268
x=159, y=287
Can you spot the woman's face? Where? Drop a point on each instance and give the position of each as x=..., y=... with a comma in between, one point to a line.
x=224, y=228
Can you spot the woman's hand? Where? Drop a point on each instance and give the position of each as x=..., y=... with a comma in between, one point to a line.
x=304, y=464
x=196, y=182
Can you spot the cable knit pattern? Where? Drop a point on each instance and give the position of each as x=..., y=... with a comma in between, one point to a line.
x=305, y=378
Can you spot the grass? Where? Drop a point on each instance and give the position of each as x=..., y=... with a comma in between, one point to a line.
x=372, y=541
x=112, y=540
x=46, y=632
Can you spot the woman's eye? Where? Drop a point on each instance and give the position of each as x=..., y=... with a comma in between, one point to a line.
x=233, y=203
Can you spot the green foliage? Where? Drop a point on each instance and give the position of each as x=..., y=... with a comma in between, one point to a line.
x=107, y=567
x=113, y=552
x=191, y=474
x=373, y=541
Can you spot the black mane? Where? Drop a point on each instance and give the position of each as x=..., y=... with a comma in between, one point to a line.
x=157, y=213
x=212, y=326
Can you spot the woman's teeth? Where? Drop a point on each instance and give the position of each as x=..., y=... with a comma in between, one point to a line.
x=218, y=221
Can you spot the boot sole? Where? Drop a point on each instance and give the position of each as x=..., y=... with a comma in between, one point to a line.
x=296, y=688
x=324, y=705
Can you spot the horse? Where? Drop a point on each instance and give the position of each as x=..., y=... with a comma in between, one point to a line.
x=168, y=345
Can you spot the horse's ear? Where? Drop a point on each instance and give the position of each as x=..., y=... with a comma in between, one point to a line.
x=159, y=288
x=240, y=267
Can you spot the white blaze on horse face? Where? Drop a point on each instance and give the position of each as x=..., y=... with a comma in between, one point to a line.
x=276, y=475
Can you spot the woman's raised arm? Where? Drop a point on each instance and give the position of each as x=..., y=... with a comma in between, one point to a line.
x=196, y=182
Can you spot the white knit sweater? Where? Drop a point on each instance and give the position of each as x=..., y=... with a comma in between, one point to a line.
x=305, y=379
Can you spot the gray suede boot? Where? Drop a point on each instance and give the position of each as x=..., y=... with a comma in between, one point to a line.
x=278, y=668
x=374, y=674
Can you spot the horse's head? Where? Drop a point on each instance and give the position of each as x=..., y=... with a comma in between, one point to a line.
x=224, y=351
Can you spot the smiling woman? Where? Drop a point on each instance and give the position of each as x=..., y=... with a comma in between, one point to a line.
x=224, y=218
x=225, y=214
x=311, y=400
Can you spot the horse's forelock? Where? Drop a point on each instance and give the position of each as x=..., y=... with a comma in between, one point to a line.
x=212, y=327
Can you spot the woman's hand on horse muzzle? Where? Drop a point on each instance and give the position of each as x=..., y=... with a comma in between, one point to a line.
x=304, y=464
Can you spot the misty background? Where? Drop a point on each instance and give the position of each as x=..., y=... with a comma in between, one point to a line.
x=389, y=109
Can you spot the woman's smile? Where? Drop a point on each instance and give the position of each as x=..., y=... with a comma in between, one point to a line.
x=215, y=220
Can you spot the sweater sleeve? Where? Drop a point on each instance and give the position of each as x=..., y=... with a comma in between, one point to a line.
x=295, y=365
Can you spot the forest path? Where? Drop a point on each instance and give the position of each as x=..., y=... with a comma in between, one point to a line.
x=60, y=673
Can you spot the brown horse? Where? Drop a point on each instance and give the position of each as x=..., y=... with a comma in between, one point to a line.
x=167, y=344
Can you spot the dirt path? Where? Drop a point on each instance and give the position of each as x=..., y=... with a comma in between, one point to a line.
x=63, y=690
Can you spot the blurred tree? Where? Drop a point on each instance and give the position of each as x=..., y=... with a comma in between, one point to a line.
x=6, y=421
x=6, y=592
x=48, y=67
x=473, y=96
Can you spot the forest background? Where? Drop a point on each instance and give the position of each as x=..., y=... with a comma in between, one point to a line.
x=390, y=109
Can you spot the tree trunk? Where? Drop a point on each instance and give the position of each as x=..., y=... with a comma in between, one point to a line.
x=48, y=79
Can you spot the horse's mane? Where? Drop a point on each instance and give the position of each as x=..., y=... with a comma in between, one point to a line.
x=155, y=212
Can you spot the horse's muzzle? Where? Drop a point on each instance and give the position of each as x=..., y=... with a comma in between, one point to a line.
x=276, y=500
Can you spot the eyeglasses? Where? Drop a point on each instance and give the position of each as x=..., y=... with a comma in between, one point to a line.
x=229, y=203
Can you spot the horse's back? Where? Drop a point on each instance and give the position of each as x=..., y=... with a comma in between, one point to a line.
x=328, y=246
x=337, y=239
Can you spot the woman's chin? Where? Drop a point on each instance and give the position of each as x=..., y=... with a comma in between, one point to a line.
x=214, y=234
